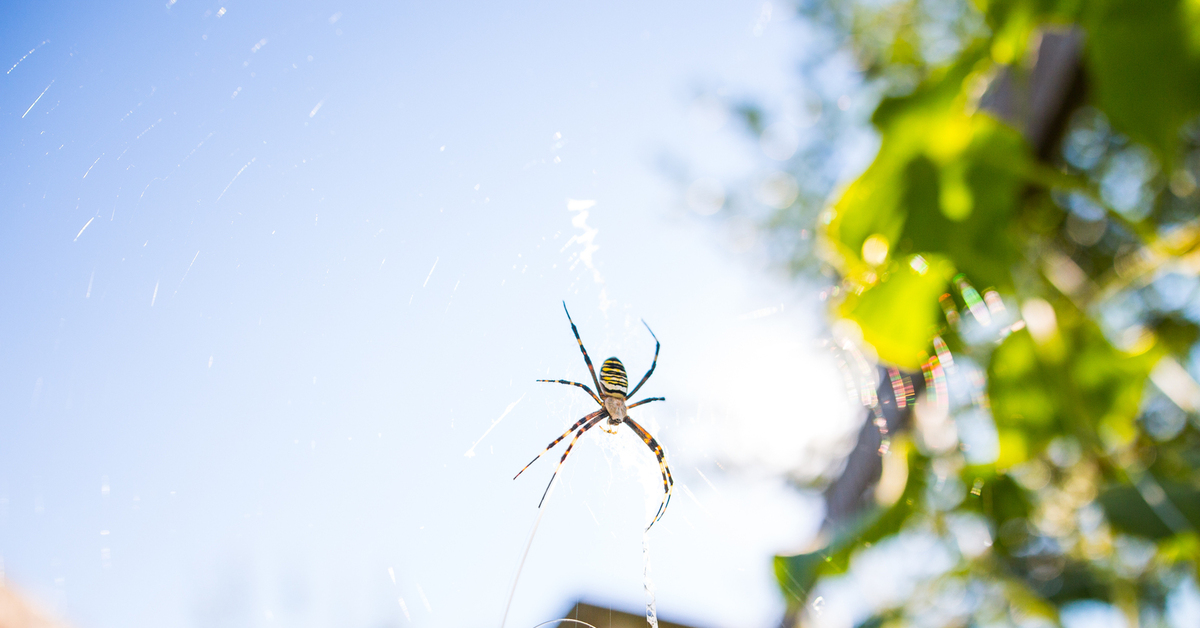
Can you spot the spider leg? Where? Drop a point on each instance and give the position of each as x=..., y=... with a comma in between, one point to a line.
x=594, y=415
x=653, y=364
x=668, y=481
x=563, y=381
x=645, y=401
x=586, y=359
x=567, y=453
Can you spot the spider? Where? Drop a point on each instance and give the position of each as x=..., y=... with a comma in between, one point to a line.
x=612, y=385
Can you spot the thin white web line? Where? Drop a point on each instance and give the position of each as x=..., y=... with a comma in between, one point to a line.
x=84, y=227
x=471, y=452
x=435, y=261
x=239, y=173
x=35, y=101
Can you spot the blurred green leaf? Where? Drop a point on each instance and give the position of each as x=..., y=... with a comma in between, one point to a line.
x=1001, y=500
x=752, y=116
x=1138, y=52
x=877, y=621
x=1013, y=21
x=1109, y=382
x=945, y=185
x=1027, y=402
x=1128, y=511
x=1181, y=547
x=900, y=315
x=932, y=124
x=963, y=191
x=964, y=213
x=1079, y=582
x=1075, y=382
x=1177, y=334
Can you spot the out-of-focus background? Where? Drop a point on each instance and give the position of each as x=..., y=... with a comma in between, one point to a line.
x=278, y=280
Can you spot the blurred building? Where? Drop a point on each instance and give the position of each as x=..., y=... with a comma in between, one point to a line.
x=16, y=612
x=602, y=617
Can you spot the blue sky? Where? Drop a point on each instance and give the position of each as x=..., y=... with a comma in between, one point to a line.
x=272, y=269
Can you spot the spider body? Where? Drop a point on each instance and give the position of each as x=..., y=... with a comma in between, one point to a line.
x=613, y=385
x=613, y=388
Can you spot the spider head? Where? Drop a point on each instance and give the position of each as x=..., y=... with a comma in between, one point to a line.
x=613, y=380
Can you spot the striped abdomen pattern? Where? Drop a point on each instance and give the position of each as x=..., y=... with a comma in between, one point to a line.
x=613, y=377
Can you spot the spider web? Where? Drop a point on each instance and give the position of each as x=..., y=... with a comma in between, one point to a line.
x=271, y=282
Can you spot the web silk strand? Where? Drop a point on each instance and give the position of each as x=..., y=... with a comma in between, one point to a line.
x=528, y=545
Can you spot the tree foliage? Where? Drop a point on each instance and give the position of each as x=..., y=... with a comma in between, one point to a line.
x=1055, y=291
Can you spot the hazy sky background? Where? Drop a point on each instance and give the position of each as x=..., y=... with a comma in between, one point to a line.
x=272, y=269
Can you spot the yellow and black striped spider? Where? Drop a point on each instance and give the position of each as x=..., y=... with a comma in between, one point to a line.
x=613, y=411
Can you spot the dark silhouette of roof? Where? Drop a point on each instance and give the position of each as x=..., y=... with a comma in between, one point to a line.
x=603, y=617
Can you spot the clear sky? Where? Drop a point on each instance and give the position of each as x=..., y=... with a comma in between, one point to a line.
x=272, y=270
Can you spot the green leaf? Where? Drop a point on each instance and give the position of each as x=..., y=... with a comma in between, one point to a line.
x=1075, y=383
x=878, y=621
x=1001, y=500
x=1027, y=402
x=964, y=209
x=1110, y=382
x=900, y=315
x=1128, y=511
x=945, y=185
x=1013, y=21
x=931, y=123
x=1176, y=333
x=1143, y=59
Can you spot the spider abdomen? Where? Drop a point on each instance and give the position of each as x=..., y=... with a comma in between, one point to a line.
x=613, y=377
